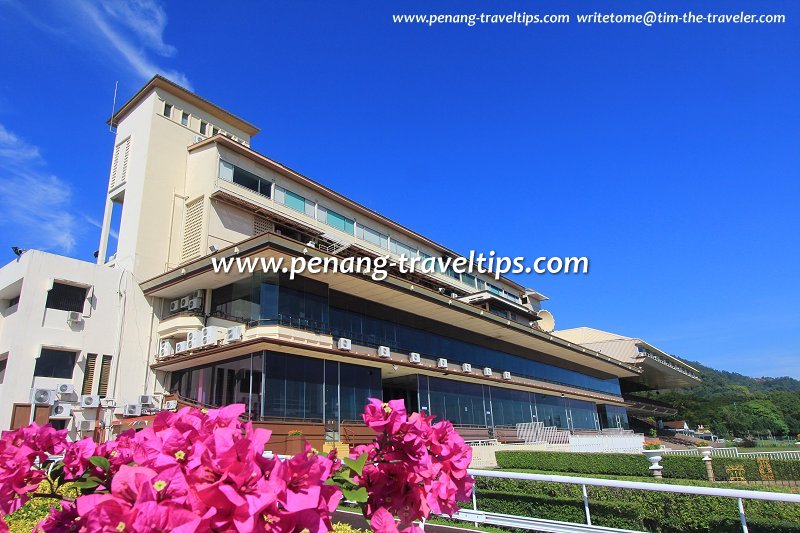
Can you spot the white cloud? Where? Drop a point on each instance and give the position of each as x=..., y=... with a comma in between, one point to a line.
x=35, y=203
x=131, y=27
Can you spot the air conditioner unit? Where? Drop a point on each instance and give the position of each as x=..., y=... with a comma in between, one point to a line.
x=506, y=375
x=453, y=295
x=166, y=348
x=466, y=367
x=89, y=401
x=147, y=400
x=441, y=363
x=169, y=405
x=234, y=334
x=487, y=372
x=414, y=357
x=61, y=411
x=195, y=338
x=195, y=304
x=213, y=334
x=86, y=425
x=132, y=409
x=345, y=344
x=199, y=293
x=108, y=402
x=181, y=346
x=384, y=351
x=74, y=317
x=174, y=306
x=43, y=396
x=66, y=389
x=185, y=302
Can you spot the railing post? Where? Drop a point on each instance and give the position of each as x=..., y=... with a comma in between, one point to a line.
x=586, y=505
x=741, y=516
x=475, y=499
x=706, y=451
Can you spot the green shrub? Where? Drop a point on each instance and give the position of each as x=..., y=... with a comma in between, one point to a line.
x=615, y=464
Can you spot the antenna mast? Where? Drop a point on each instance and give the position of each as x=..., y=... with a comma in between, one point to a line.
x=113, y=107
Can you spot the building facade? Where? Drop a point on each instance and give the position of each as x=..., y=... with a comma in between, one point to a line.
x=186, y=189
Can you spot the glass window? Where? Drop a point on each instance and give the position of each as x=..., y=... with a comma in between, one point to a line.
x=167, y=110
x=335, y=220
x=203, y=127
x=240, y=300
x=66, y=297
x=185, y=118
x=234, y=174
x=402, y=249
x=295, y=201
x=356, y=385
x=55, y=364
x=468, y=279
x=214, y=131
x=374, y=237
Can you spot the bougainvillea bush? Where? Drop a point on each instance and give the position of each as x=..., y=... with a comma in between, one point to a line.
x=205, y=470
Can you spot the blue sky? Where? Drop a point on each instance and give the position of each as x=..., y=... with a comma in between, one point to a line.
x=668, y=155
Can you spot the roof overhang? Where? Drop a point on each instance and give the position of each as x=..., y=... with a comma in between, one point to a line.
x=160, y=82
x=399, y=294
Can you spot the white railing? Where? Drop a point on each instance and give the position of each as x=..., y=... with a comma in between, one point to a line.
x=735, y=453
x=477, y=516
x=607, y=443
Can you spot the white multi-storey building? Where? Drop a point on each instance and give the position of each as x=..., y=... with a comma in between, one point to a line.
x=157, y=321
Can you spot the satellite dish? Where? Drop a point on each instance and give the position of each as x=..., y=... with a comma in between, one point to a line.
x=546, y=321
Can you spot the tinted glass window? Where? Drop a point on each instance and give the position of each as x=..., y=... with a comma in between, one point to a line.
x=55, y=364
x=66, y=297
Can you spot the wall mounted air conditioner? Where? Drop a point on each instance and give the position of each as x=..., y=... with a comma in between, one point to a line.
x=414, y=357
x=384, y=351
x=213, y=335
x=132, y=409
x=199, y=293
x=86, y=425
x=195, y=338
x=487, y=372
x=43, y=396
x=234, y=334
x=169, y=405
x=75, y=317
x=441, y=363
x=166, y=348
x=185, y=302
x=61, y=411
x=453, y=295
x=108, y=402
x=345, y=344
x=89, y=401
x=147, y=400
x=466, y=367
x=66, y=389
x=506, y=375
x=174, y=306
x=195, y=304
x=181, y=346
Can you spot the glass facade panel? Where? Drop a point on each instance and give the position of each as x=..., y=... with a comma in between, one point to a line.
x=583, y=414
x=281, y=386
x=551, y=410
x=295, y=201
x=613, y=416
x=511, y=407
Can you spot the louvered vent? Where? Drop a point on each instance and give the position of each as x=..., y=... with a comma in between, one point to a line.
x=88, y=373
x=105, y=373
x=193, y=229
x=119, y=166
x=262, y=225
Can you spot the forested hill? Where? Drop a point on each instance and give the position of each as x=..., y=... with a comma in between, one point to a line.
x=733, y=404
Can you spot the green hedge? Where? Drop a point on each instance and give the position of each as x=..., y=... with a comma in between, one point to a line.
x=631, y=464
x=615, y=464
x=632, y=509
